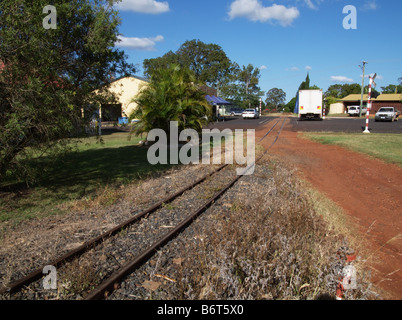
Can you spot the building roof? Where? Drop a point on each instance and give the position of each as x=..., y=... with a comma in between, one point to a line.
x=130, y=76
x=216, y=100
x=381, y=97
x=390, y=97
x=355, y=97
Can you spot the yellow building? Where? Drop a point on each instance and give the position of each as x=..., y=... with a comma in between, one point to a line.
x=125, y=89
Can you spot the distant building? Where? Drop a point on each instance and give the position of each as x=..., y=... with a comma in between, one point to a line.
x=336, y=108
x=125, y=89
x=392, y=100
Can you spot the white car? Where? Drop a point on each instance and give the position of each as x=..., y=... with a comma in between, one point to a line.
x=387, y=114
x=250, y=114
x=236, y=112
x=355, y=110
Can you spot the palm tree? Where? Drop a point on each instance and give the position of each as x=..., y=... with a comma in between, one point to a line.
x=172, y=95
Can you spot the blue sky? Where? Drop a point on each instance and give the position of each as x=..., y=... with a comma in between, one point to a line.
x=285, y=38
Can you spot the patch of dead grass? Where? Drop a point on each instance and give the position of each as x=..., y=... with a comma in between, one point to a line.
x=271, y=242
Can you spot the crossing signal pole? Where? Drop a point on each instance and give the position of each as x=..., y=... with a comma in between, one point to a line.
x=361, y=100
x=369, y=102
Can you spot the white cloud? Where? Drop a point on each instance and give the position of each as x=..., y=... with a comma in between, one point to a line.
x=370, y=5
x=313, y=4
x=255, y=11
x=310, y=4
x=308, y=68
x=143, y=6
x=341, y=79
x=143, y=44
x=263, y=67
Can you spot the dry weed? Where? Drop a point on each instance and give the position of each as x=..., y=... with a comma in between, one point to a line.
x=269, y=243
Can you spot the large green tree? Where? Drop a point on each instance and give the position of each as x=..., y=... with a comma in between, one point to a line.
x=275, y=97
x=164, y=62
x=305, y=85
x=340, y=91
x=242, y=86
x=208, y=62
x=172, y=95
x=48, y=75
x=392, y=88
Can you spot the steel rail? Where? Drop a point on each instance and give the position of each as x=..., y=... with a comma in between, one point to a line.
x=35, y=275
x=38, y=273
x=113, y=282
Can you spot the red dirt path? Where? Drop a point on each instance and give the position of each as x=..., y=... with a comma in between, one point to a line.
x=367, y=189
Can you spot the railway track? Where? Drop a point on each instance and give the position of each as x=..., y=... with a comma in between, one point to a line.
x=104, y=249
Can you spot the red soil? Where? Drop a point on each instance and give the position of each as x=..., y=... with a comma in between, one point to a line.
x=369, y=191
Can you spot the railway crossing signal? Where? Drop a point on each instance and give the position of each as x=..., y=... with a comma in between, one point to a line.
x=369, y=102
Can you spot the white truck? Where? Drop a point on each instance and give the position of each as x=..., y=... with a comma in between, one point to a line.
x=309, y=104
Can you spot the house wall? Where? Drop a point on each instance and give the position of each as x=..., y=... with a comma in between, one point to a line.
x=336, y=108
x=377, y=105
x=126, y=89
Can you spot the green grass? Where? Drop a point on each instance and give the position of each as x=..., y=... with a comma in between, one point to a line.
x=81, y=174
x=386, y=147
x=94, y=171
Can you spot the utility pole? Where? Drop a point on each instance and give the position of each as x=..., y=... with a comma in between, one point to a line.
x=361, y=99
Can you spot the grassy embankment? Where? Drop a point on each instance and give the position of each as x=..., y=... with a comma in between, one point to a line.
x=386, y=147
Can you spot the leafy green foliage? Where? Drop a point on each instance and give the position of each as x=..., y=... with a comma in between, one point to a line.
x=340, y=91
x=48, y=76
x=242, y=86
x=208, y=61
x=305, y=85
x=172, y=95
x=290, y=106
x=275, y=97
x=391, y=88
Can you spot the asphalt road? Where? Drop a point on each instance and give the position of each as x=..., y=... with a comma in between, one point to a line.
x=348, y=125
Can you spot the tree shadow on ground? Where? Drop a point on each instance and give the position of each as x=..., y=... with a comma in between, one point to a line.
x=79, y=174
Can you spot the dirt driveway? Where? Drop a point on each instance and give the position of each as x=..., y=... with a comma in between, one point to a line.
x=367, y=189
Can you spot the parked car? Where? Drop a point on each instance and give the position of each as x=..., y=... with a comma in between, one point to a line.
x=236, y=112
x=355, y=110
x=387, y=114
x=250, y=114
